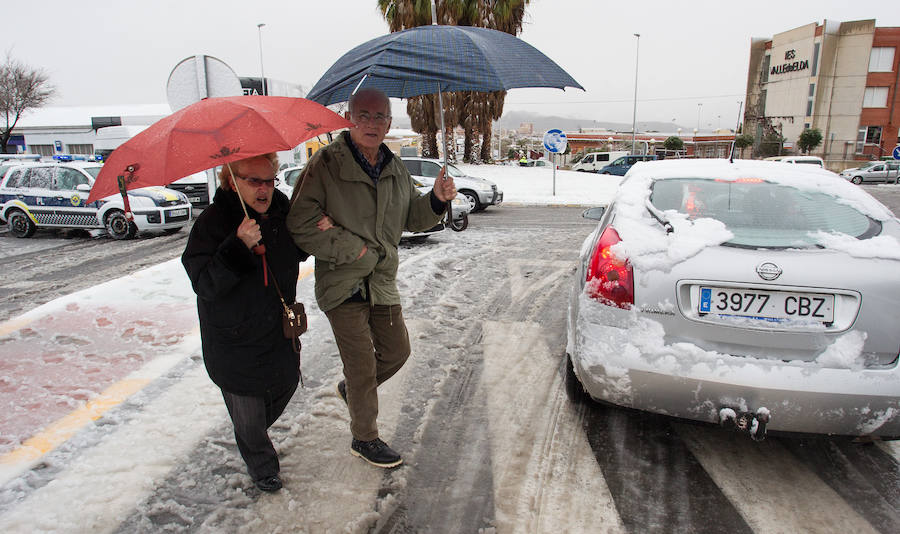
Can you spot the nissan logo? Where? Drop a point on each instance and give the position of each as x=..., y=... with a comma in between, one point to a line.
x=768, y=271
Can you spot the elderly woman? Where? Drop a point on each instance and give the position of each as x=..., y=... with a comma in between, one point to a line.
x=244, y=348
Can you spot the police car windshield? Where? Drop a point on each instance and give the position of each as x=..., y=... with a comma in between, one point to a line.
x=93, y=171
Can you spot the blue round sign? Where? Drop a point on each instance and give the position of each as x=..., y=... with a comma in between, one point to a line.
x=897, y=152
x=555, y=141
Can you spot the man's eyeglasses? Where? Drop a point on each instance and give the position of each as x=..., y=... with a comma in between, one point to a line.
x=258, y=182
x=379, y=118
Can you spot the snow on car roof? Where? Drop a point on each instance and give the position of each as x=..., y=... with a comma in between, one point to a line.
x=798, y=176
x=647, y=246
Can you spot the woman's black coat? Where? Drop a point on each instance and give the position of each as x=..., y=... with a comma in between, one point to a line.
x=244, y=347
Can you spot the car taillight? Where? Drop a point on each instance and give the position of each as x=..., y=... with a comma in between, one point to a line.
x=609, y=279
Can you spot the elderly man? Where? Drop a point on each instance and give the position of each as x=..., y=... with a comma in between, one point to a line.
x=367, y=199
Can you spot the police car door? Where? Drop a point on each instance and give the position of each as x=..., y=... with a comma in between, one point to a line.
x=35, y=189
x=70, y=201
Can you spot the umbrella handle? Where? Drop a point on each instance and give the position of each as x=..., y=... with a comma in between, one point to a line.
x=259, y=249
x=121, y=182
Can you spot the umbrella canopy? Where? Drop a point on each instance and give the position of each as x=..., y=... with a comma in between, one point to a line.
x=212, y=132
x=431, y=59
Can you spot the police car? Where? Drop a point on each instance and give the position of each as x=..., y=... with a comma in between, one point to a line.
x=54, y=195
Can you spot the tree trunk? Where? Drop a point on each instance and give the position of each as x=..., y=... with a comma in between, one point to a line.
x=486, y=138
x=430, y=145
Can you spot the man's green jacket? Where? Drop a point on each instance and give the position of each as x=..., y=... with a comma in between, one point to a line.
x=334, y=184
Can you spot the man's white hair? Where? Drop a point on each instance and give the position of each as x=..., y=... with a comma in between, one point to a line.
x=370, y=92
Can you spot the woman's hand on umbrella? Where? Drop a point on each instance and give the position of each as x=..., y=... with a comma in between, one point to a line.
x=444, y=188
x=249, y=232
x=325, y=223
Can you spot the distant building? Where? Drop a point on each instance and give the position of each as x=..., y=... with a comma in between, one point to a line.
x=839, y=77
x=525, y=128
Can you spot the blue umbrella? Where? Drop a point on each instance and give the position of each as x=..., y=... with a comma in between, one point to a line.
x=434, y=59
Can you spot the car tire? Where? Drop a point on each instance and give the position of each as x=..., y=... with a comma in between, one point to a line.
x=574, y=390
x=473, y=200
x=20, y=224
x=119, y=227
x=857, y=180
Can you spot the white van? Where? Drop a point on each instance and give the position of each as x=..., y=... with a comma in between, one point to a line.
x=806, y=160
x=595, y=161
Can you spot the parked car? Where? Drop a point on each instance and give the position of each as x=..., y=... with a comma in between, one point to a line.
x=802, y=160
x=595, y=161
x=876, y=171
x=195, y=187
x=480, y=192
x=461, y=210
x=703, y=293
x=287, y=177
x=623, y=164
x=53, y=195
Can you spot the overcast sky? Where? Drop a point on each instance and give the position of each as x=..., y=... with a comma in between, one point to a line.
x=692, y=60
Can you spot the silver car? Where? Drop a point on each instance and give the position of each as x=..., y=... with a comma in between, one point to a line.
x=480, y=192
x=876, y=171
x=757, y=295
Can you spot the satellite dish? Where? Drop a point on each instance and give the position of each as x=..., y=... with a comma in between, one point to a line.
x=199, y=77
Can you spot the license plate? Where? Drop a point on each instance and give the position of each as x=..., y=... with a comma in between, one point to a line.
x=194, y=199
x=178, y=213
x=766, y=305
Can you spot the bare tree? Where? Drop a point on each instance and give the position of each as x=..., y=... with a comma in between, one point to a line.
x=21, y=88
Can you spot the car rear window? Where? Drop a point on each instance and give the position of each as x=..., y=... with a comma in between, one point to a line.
x=763, y=214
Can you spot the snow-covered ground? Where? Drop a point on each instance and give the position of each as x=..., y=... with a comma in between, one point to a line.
x=152, y=407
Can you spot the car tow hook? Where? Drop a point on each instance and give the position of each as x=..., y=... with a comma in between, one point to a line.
x=753, y=424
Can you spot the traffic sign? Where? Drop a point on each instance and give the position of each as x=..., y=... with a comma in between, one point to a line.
x=555, y=141
x=897, y=152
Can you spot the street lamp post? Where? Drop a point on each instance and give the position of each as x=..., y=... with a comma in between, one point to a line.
x=637, y=51
x=699, y=109
x=262, y=71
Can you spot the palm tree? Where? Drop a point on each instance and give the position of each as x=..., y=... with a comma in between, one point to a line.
x=473, y=111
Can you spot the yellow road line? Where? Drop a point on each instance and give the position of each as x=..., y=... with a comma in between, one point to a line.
x=61, y=430
x=13, y=325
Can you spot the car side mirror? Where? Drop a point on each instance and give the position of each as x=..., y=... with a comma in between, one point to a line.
x=595, y=213
x=83, y=187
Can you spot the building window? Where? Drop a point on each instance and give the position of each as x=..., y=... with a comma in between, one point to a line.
x=875, y=97
x=881, y=59
x=81, y=149
x=810, y=100
x=815, y=65
x=867, y=135
x=43, y=150
x=765, y=68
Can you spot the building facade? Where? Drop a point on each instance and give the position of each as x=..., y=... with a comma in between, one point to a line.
x=838, y=77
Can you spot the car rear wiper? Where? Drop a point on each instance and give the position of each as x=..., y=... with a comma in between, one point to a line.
x=658, y=215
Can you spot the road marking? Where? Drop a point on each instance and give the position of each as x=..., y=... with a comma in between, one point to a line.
x=762, y=481
x=539, y=450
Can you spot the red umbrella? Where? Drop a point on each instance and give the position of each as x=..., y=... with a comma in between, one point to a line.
x=212, y=132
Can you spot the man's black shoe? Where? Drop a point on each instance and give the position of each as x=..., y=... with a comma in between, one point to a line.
x=376, y=452
x=342, y=390
x=272, y=483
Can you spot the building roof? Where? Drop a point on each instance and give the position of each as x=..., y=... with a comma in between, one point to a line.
x=81, y=115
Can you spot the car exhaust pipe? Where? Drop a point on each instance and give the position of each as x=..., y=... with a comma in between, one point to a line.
x=752, y=424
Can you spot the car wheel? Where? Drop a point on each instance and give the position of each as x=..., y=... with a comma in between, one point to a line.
x=20, y=224
x=473, y=200
x=119, y=227
x=857, y=180
x=574, y=390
